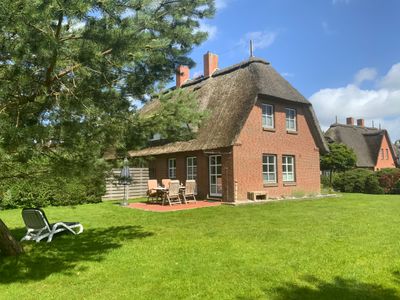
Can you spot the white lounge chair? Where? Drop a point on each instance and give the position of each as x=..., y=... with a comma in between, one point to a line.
x=38, y=227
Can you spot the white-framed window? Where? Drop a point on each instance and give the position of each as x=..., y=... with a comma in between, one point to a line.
x=288, y=168
x=269, y=168
x=172, y=168
x=191, y=168
x=290, y=119
x=267, y=115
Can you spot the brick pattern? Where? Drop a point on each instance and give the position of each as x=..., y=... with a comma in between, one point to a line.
x=160, y=167
x=254, y=141
x=242, y=163
x=387, y=161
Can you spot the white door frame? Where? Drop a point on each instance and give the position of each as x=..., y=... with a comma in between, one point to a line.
x=214, y=175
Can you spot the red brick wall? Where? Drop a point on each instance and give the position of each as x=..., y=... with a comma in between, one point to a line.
x=253, y=142
x=160, y=166
x=387, y=161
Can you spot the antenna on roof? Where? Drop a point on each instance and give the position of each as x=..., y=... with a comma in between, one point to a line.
x=251, y=48
x=336, y=119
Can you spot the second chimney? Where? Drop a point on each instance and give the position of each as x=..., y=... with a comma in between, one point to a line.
x=182, y=75
x=210, y=63
x=360, y=122
x=350, y=121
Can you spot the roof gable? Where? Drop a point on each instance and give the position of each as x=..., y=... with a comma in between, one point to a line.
x=229, y=95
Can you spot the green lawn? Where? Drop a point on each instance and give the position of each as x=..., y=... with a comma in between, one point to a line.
x=343, y=248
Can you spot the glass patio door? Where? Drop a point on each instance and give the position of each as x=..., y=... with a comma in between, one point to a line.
x=215, y=164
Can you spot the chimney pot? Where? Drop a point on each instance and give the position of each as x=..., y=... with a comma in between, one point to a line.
x=350, y=121
x=182, y=75
x=210, y=63
x=360, y=122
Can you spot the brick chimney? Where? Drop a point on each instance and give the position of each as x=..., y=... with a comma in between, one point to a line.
x=182, y=75
x=360, y=122
x=210, y=63
x=350, y=121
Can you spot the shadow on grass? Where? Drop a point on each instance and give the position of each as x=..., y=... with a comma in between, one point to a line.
x=339, y=288
x=65, y=252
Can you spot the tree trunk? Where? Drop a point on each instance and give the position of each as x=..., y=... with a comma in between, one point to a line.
x=8, y=245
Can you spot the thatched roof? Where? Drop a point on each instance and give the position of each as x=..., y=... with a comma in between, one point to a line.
x=365, y=141
x=229, y=95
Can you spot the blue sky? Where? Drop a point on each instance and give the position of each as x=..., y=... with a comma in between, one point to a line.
x=343, y=55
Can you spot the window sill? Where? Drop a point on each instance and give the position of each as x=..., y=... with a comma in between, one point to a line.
x=270, y=184
x=295, y=132
x=269, y=129
x=289, y=184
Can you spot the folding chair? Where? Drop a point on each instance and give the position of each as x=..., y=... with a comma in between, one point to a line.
x=189, y=191
x=173, y=195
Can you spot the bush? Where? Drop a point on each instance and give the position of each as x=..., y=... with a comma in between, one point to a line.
x=396, y=188
x=372, y=185
x=53, y=191
x=388, y=178
x=352, y=181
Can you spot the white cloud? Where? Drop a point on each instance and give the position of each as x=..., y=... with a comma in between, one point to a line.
x=212, y=30
x=261, y=39
x=366, y=74
x=392, y=79
x=381, y=104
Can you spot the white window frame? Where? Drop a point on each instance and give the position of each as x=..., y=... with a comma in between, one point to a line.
x=172, y=168
x=191, y=168
x=267, y=116
x=215, y=175
x=268, y=164
x=288, y=162
x=291, y=119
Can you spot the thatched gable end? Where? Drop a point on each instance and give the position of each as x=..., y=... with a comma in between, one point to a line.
x=229, y=94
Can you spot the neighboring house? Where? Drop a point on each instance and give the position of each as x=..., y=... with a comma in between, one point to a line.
x=372, y=146
x=396, y=147
x=261, y=134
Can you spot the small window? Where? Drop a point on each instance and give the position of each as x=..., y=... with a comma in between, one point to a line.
x=269, y=168
x=191, y=168
x=387, y=153
x=288, y=168
x=290, y=119
x=382, y=154
x=171, y=168
x=267, y=116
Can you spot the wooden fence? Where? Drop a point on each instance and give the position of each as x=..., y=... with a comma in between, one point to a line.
x=137, y=188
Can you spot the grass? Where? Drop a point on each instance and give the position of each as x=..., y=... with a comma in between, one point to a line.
x=342, y=248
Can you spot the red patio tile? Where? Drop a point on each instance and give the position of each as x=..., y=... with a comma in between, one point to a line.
x=175, y=207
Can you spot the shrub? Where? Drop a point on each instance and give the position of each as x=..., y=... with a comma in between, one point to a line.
x=352, y=181
x=396, y=188
x=53, y=191
x=388, y=178
x=372, y=185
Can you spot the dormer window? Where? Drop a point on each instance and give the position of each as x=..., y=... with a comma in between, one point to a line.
x=267, y=116
x=291, y=119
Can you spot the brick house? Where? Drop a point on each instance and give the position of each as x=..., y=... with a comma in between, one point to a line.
x=372, y=146
x=261, y=134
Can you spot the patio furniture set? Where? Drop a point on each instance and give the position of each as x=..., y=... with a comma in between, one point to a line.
x=171, y=192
